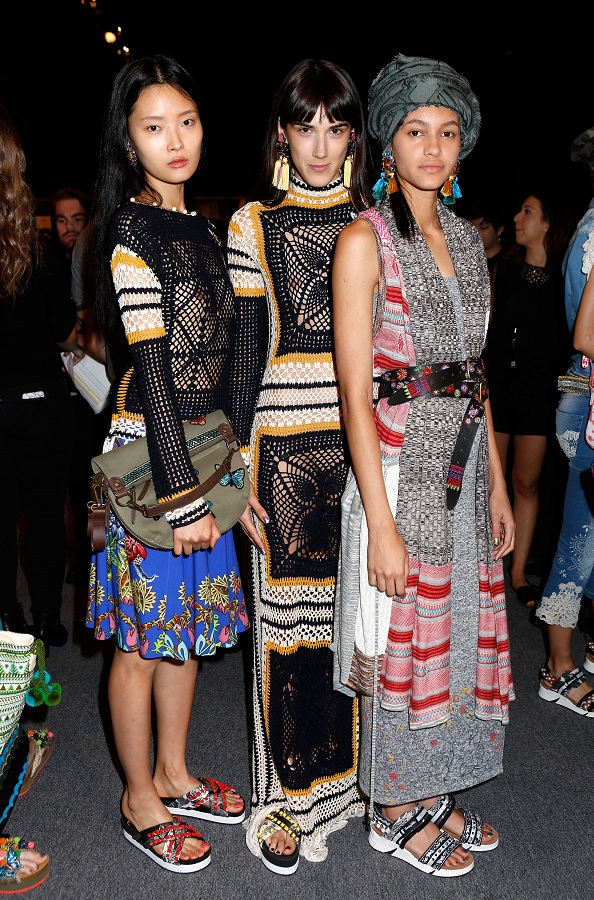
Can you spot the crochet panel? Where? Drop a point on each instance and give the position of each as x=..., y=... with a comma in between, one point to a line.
x=176, y=304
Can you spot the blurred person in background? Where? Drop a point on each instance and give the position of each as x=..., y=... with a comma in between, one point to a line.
x=72, y=211
x=569, y=590
x=488, y=215
x=527, y=348
x=37, y=320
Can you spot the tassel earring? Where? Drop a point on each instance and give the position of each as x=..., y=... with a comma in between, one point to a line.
x=131, y=153
x=347, y=169
x=386, y=184
x=451, y=189
x=280, y=179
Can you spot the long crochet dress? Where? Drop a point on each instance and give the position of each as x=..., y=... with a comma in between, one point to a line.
x=285, y=409
x=432, y=716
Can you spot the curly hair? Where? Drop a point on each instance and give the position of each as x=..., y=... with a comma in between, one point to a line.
x=19, y=237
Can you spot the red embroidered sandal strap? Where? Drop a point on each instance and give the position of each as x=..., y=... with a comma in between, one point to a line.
x=215, y=794
x=171, y=835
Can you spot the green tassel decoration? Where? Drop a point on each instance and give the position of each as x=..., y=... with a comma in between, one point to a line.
x=40, y=690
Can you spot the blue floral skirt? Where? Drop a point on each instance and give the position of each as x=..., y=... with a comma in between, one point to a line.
x=166, y=605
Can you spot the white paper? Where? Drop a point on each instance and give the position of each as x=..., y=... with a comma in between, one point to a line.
x=90, y=378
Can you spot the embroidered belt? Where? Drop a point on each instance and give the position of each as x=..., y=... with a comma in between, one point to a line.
x=461, y=378
x=574, y=384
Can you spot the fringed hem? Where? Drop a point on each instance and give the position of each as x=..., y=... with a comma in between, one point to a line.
x=313, y=847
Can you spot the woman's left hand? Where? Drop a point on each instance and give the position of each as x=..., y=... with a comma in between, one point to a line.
x=504, y=527
x=247, y=523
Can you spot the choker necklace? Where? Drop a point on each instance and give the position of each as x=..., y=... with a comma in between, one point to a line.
x=185, y=212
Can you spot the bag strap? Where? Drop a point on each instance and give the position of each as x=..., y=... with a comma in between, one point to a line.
x=99, y=507
x=157, y=509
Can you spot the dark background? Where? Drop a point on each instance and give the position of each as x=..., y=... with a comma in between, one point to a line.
x=534, y=81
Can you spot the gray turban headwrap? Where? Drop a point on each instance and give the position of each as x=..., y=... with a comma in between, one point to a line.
x=582, y=149
x=412, y=81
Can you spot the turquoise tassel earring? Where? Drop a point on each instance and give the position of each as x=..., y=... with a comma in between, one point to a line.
x=451, y=189
x=386, y=184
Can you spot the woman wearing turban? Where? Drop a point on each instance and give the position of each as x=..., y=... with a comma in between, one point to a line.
x=421, y=630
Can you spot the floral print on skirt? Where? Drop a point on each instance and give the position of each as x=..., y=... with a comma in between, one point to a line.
x=166, y=605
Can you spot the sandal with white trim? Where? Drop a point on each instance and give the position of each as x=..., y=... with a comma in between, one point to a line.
x=394, y=835
x=172, y=835
x=474, y=831
x=206, y=801
x=556, y=690
x=281, y=863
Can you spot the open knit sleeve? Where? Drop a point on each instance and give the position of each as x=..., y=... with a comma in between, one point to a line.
x=249, y=355
x=139, y=294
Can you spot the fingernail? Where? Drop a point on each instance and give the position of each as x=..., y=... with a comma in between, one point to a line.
x=266, y=520
x=262, y=551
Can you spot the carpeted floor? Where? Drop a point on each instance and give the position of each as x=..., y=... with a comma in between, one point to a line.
x=541, y=805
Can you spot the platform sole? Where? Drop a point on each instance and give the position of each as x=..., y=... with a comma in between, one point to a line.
x=182, y=867
x=378, y=842
x=274, y=865
x=560, y=700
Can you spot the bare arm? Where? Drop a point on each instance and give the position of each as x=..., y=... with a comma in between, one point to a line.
x=504, y=526
x=583, y=332
x=354, y=280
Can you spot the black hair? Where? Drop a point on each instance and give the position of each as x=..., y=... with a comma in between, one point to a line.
x=118, y=179
x=73, y=193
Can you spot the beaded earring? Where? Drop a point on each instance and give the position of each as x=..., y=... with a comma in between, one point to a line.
x=347, y=168
x=386, y=184
x=451, y=189
x=131, y=153
x=281, y=167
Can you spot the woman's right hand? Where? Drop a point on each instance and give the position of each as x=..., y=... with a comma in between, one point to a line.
x=387, y=561
x=200, y=535
x=247, y=523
